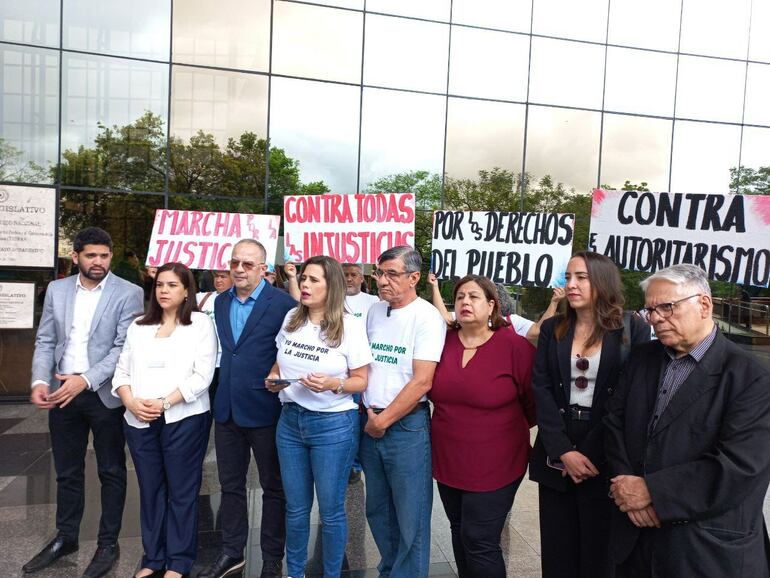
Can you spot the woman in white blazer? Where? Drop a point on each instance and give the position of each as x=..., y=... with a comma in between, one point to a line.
x=162, y=378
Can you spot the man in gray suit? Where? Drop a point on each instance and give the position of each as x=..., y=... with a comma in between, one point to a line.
x=80, y=336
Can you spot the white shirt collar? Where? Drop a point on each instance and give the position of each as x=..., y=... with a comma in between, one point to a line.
x=99, y=287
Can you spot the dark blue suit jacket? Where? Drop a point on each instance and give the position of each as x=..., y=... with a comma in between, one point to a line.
x=241, y=395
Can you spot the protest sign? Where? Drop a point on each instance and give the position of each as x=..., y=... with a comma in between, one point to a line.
x=27, y=226
x=204, y=240
x=351, y=228
x=723, y=234
x=510, y=248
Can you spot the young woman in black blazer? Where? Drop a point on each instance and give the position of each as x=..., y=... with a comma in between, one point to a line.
x=579, y=358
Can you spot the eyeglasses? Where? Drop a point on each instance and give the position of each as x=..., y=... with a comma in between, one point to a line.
x=664, y=310
x=247, y=265
x=581, y=381
x=391, y=275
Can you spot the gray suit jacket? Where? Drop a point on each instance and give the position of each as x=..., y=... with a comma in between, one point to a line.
x=120, y=303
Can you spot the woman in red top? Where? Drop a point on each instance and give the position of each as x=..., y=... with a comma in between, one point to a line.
x=484, y=408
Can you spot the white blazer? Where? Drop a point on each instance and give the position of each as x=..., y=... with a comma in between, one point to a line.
x=154, y=367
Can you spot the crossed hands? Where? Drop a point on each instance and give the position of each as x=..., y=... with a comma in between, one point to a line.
x=632, y=497
x=71, y=386
x=145, y=410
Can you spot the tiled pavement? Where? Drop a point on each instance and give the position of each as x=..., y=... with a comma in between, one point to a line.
x=27, y=513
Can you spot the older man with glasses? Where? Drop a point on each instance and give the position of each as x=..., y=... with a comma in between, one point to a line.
x=248, y=317
x=406, y=334
x=687, y=441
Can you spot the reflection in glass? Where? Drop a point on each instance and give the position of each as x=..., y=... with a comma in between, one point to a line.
x=139, y=28
x=402, y=53
x=236, y=37
x=758, y=94
x=428, y=9
x=401, y=132
x=316, y=124
x=114, y=122
x=30, y=22
x=488, y=64
x=483, y=135
x=640, y=81
x=565, y=145
x=636, y=149
x=710, y=89
x=755, y=150
x=648, y=24
x=567, y=73
x=219, y=205
x=217, y=102
x=703, y=21
x=317, y=42
x=570, y=19
x=501, y=14
x=29, y=117
x=703, y=155
x=759, y=42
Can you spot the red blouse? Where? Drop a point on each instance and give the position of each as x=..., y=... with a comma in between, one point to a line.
x=482, y=413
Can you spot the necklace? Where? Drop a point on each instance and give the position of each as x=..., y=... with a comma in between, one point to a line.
x=472, y=347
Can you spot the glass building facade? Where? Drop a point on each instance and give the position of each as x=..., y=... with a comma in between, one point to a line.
x=126, y=107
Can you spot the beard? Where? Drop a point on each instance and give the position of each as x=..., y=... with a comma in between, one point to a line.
x=94, y=273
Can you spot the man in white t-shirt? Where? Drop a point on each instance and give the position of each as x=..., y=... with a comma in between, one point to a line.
x=356, y=301
x=406, y=335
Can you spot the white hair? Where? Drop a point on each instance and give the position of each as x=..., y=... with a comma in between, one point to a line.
x=684, y=274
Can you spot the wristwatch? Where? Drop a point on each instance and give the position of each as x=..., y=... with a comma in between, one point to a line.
x=341, y=387
x=166, y=403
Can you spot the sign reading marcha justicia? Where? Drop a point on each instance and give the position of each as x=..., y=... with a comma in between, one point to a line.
x=723, y=234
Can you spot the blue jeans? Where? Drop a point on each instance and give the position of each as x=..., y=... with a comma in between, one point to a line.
x=318, y=447
x=399, y=494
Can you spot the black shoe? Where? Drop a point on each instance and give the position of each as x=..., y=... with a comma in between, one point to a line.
x=103, y=561
x=54, y=550
x=354, y=477
x=272, y=569
x=223, y=566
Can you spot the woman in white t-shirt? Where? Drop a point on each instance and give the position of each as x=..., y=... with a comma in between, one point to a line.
x=323, y=354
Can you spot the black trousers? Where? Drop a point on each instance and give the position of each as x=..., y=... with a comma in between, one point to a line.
x=476, y=520
x=69, y=427
x=639, y=561
x=234, y=445
x=575, y=526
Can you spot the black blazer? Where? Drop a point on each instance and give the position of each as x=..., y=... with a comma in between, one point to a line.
x=551, y=379
x=707, y=464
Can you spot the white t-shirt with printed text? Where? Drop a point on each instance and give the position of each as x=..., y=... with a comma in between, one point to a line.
x=304, y=351
x=416, y=331
x=360, y=303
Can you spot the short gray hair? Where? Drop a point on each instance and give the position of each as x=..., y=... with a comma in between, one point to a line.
x=411, y=258
x=255, y=243
x=356, y=265
x=506, y=302
x=684, y=274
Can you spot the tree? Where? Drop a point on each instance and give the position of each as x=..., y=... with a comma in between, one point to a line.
x=13, y=169
x=750, y=181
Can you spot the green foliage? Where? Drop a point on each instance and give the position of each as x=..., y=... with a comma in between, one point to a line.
x=13, y=169
x=750, y=181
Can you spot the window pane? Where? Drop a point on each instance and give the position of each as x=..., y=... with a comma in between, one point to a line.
x=483, y=135
x=759, y=43
x=632, y=23
x=116, y=110
x=236, y=37
x=571, y=19
x=565, y=145
x=353, y=4
x=755, y=151
x=30, y=22
x=567, y=73
x=758, y=94
x=316, y=124
x=716, y=28
x=710, y=89
x=29, y=116
x=428, y=9
x=139, y=28
x=406, y=53
x=636, y=149
x=640, y=81
x=401, y=132
x=502, y=14
x=704, y=153
x=489, y=64
x=317, y=42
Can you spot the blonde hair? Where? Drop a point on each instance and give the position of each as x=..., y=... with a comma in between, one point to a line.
x=332, y=326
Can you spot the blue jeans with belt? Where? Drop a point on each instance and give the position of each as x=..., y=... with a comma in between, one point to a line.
x=399, y=494
x=316, y=447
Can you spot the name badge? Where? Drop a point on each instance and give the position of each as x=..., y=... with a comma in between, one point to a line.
x=156, y=364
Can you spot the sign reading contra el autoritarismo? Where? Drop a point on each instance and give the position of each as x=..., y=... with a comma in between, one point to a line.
x=27, y=226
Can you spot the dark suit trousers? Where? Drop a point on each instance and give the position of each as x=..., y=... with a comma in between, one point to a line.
x=69, y=427
x=639, y=561
x=168, y=458
x=234, y=444
x=575, y=527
